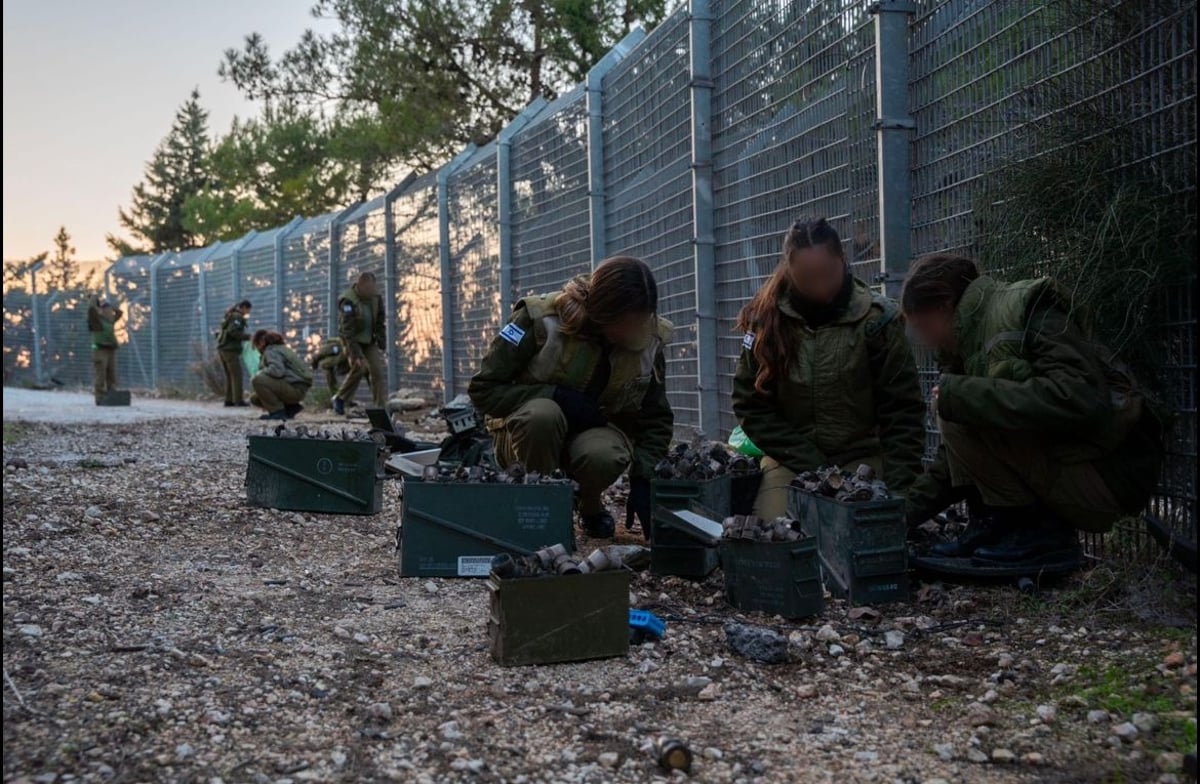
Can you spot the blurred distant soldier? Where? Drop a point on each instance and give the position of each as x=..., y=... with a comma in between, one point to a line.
x=333, y=359
x=102, y=318
x=230, y=337
x=360, y=326
x=282, y=380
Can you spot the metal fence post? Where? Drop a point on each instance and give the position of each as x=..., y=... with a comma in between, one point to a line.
x=37, y=320
x=280, y=269
x=154, y=317
x=390, y=277
x=443, y=198
x=504, y=198
x=704, y=244
x=594, y=90
x=235, y=264
x=893, y=126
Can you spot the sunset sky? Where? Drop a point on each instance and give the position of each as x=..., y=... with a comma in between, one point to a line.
x=91, y=87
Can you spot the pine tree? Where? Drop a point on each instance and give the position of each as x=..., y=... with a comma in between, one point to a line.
x=177, y=171
x=62, y=268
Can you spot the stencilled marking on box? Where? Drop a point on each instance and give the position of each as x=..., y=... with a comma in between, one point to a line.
x=474, y=565
x=532, y=518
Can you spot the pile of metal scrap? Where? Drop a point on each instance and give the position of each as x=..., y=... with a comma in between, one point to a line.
x=700, y=460
x=833, y=482
x=319, y=434
x=515, y=474
x=555, y=560
x=756, y=529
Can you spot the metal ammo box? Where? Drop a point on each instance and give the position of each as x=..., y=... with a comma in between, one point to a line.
x=315, y=475
x=675, y=549
x=543, y=620
x=115, y=397
x=862, y=545
x=778, y=578
x=452, y=529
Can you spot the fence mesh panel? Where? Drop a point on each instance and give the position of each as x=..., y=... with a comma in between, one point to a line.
x=648, y=189
x=418, y=302
x=256, y=262
x=18, y=334
x=306, y=284
x=218, y=289
x=180, y=333
x=551, y=240
x=475, y=262
x=130, y=278
x=68, y=344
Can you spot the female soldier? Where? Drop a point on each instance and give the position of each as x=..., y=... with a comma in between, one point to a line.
x=826, y=376
x=1038, y=419
x=575, y=381
x=282, y=380
x=229, y=347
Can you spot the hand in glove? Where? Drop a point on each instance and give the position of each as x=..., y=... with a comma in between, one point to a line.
x=638, y=505
x=581, y=411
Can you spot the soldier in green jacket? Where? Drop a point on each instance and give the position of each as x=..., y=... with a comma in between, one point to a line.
x=576, y=381
x=332, y=358
x=826, y=375
x=1039, y=419
x=230, y=338
x=361, y=328
x=102, y=318
x=282, y=380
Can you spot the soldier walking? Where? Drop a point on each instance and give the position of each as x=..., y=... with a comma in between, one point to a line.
x=360, y=326
x=102, y=318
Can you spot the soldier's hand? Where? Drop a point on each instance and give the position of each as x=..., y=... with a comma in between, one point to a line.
x=358, y=362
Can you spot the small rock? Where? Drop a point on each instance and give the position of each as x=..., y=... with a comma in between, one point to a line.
x=1097, y=716
x=836, y=650
x=183, y=751
x=709, y=692
x=421, y=682
x=894, y=640
x=1174, y=660
x=827, y=634
x=380, y=710
x=609, y=759
x=866, y=756
x=450, y=730
x=1005, y=660
x=431, y=587
x=1125, y=731
x=93, y=512
x=945, y=751
x=1003, y=756
x=163, y=707
x=31, y=630
x=1145, y=722
x=696, y=683
x=935, y=781
x=1169, y=762
x=758, y=644
x=342, y=632
x=989, y=697
x=1034, y=758
x=338, y=758
x=1047, y=713
x=980, y=715
x=46, y=778
x=361, y=638
x=68, y=577
x=712, y=753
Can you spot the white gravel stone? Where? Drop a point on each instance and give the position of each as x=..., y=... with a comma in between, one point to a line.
x=1047, y=713
x=894, y=640
x=1126, y=731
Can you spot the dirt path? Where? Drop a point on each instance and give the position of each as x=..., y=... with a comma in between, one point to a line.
x=79, y=408
x=158, y=629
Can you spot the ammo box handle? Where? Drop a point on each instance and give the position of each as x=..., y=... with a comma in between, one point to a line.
x=306, y=479
x=516, y=548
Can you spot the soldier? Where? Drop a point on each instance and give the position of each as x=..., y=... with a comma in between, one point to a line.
x=333, y=359
x=826, y=375
x=230, y=337
x=282, y=380
x=101, y=320
x=575, y=381
x=360, y=326
x=1041, y=421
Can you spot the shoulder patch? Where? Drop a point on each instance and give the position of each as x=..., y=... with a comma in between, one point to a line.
x=512, y=333
x=347, y=308
x=748, y=341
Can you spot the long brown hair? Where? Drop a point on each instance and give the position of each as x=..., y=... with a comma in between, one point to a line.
x=266, y=337
x=618, y=286
x=773, y=347
x=937, y=281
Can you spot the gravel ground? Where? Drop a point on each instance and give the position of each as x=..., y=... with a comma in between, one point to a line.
x=158, y=629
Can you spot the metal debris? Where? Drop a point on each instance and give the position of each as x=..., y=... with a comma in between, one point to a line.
x=756, y=643
x=756, y=529
x=833, y=482
x=515, y=474
x=700, y=460
x=305, y=432
x=555, y=560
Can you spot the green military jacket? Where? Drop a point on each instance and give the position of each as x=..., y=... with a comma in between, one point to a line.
x=531, y=356
x=851, y=393
x=360, y=321
x=279, y=361
x=332, y=354
x=1024, y=363
x=233, y=332
x=103, y=330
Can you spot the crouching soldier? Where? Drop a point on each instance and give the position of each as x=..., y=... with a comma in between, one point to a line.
x=282, y=380
x=575, y=381
x=333, y=359
x=102, y=318
x=1042, y=422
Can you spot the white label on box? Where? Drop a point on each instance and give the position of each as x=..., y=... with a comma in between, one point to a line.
x=474, y=565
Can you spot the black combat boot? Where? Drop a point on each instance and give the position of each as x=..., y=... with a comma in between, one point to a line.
x=292, y=409
x=599, y=526
x=1046, y=541
x=339, y=407
x=982, y=530
x=280, y=414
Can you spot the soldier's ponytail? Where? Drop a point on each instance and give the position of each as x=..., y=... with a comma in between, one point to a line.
x=619, y=285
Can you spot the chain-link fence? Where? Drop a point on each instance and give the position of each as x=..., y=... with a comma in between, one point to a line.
x=693, y=148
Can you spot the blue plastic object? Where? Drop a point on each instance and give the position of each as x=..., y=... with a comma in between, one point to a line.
x=648, y=623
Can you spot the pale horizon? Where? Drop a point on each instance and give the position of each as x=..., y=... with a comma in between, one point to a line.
x=91, y=88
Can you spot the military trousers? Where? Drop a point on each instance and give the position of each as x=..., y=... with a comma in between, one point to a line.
x=331, y=379
x=372, y=366
x=231, y=363
x=274, y=393
x=535, y=435
x=1013, y=469
x=104, y=365
x=772, y=498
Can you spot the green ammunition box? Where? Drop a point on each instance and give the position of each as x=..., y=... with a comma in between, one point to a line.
x=115, y=397
x=779, y=578
x=674, y=546
x=315, y=475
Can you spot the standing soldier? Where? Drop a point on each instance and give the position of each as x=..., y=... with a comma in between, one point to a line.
x=332, y=358
x=360, y=326
x=102, y=318
x=229, y=346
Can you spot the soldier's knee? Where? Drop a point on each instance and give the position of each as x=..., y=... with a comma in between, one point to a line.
x=601, y=455
x=538, y=416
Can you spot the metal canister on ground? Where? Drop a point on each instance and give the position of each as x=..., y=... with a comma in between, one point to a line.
x=673, y=754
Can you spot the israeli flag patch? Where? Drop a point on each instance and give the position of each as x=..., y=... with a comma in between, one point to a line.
x=512, y=333
x=347, y=308
x=748, y=341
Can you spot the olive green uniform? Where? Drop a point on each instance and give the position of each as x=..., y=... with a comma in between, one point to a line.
x=1033, y=412
x=515, y=385
x=361, y=328
x=332, y=359
x=230, y=337
x=104, y=348
x=282, y=380
x=851, y=396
